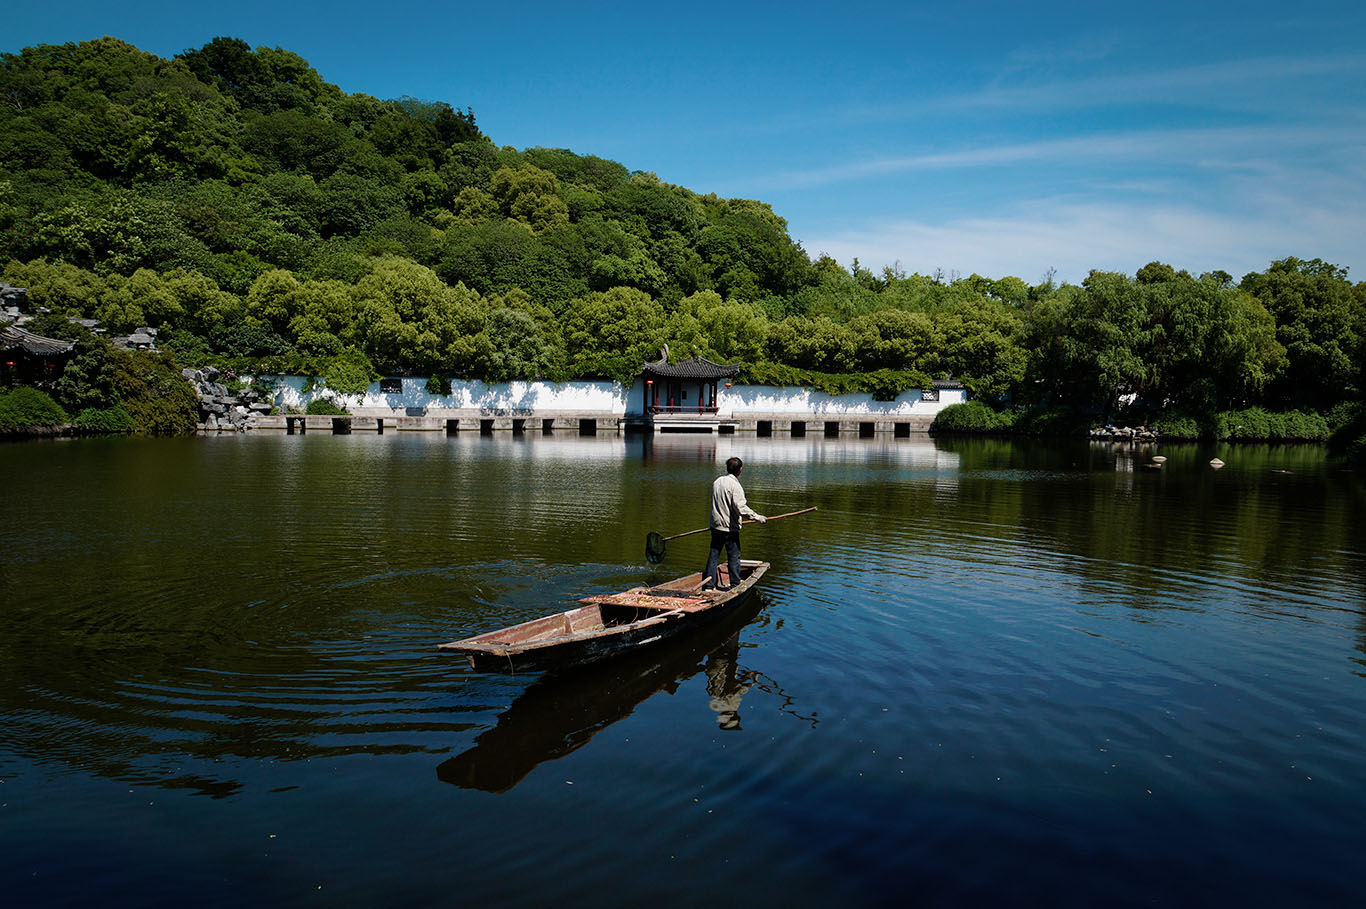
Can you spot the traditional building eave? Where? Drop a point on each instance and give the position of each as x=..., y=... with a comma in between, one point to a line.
x=695, y=368
x=12, y=336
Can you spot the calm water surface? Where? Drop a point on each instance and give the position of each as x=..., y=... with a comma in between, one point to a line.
x=982, y=672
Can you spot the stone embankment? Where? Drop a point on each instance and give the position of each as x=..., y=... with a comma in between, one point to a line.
x=221, y=409
x=1123, y=434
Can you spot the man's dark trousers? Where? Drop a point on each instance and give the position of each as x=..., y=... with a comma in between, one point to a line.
x=730, y=540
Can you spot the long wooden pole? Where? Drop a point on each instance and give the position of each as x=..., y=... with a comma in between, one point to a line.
x=790, y=514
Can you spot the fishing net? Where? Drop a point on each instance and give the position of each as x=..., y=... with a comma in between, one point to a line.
x=654, y=548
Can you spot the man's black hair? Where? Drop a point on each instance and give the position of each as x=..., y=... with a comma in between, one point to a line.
x=733, y=465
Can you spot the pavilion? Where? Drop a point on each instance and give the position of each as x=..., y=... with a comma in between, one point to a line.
x=30, y=359
x=682, y=396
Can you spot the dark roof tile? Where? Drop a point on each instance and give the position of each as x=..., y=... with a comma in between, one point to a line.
x=691, y=368
x=14, y=336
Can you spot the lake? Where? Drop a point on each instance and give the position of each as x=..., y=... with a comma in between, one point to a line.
x=984, y=672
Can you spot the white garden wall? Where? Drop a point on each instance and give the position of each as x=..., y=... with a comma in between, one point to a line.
x=605, y=398
x=740, y=400
x=502, y=397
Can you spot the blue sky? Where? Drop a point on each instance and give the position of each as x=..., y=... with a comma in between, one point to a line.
x=972, y=136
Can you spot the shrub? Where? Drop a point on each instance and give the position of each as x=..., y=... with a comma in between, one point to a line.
x=973, y=416
x=1251, y=424
x=324, y=407
x=240, y=338
x=1344, y=413
x=28, y=408
x=189, y=349
x=1176, y=426
x=349, y=373
x=1349, y=437
x=154, y=393
x=109, y=420
x=882, y=384
x=1255, y=424
x=87, y=379
x=438, y=385
x=1306, y=425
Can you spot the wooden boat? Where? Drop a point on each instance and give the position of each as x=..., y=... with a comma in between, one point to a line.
x=563, y=710
x=608, y=624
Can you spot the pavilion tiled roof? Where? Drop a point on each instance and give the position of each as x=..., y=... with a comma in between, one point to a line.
x=13, y=336
x=694, y=367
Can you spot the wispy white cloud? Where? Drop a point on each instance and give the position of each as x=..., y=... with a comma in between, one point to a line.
x=1206, y=83
x=1214, y=146
x=1260, y=84
x=1074, y=238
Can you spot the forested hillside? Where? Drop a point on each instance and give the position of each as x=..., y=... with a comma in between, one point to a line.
x=247, y=209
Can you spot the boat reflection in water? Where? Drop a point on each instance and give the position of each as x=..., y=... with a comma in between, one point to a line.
x=561, y=711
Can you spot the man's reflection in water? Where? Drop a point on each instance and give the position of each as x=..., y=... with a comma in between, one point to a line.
x=726, y=684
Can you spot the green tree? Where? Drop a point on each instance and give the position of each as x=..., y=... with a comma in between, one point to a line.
x=324, y=320
x=1210, y=347
x=87, y=380
x=407, y=318
x=1088, y=344
x=274, y=300
x=817, y=343
x=611, y=334
x=531, y=196
x=731, y=331
x=519, y=347
x=349, y=372
x=59, y=286
x=154, y=392
x=1318, y=322
x=200, y=302
x=750, y=254
x=140, y=300
x=896, y=339
x=981, y=346
x=291, y=140
x=474, y=206
x=353, y=204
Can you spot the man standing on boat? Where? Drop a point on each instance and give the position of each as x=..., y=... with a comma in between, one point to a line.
x=728, y=509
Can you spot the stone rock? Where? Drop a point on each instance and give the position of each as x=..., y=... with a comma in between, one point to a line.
x=211, y=423
x=211, y=373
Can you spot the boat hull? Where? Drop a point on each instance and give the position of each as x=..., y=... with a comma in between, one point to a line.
x=606, y=626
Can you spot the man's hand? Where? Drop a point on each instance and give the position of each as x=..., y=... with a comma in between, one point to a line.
x=761, y=519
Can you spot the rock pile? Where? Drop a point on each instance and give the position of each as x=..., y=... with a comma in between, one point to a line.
x=1123, y=434
x=220, y=410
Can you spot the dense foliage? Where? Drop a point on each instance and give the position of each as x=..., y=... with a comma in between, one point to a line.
x=263, y=219
x=26, y=407
x=106, y=420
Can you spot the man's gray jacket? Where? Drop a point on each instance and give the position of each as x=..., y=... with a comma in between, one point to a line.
x=728, y=504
